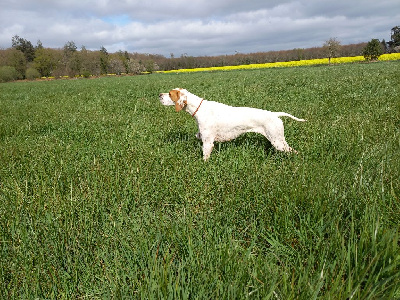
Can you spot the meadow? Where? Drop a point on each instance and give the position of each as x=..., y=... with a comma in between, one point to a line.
x=104, y=192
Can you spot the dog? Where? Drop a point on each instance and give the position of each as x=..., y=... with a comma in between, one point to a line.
x=218, y=122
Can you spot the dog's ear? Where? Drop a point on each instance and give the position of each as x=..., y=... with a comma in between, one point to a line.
x=179, y=105
x=174, y=95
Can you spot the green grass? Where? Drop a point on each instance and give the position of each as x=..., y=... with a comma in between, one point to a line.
x=104, y=193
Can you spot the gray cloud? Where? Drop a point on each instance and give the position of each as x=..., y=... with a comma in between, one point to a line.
x=201, y=28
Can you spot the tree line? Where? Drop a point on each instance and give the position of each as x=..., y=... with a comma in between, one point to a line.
x=23, y=60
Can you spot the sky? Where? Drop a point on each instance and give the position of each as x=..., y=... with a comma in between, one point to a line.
x=196, y=27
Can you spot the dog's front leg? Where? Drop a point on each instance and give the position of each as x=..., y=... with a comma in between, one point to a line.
x=207, y=148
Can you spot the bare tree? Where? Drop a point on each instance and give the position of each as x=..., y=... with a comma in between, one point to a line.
x=332, y=48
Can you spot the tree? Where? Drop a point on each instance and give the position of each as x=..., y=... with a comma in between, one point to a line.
x=135, y=67
x=70, y=48
x=8, y=73
x=75, y=63
x=39, y=45
x=124, y=58
x=395, y=38
x=24, y=46
x=116, y=66
x=90, y=62
x=384, y=46
x=32, y=73
x=70, y=59
x=103, y=60
x=46, y=61
x=17, y=60
x=332, y=48
x=373, y=50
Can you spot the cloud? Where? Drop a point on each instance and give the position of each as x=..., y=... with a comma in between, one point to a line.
x=201, y=28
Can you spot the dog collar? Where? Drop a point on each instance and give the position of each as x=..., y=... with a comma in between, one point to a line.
x=197, y=108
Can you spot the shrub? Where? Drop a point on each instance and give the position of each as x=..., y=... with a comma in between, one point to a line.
x=8, y=73
x=32, y=74
x=373, y=50
x=86, y=74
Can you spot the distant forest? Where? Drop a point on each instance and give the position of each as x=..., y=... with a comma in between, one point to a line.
x=23, y=60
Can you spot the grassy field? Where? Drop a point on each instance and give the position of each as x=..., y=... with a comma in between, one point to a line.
x=104, y=193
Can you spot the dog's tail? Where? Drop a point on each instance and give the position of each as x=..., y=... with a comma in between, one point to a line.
x=283, y=114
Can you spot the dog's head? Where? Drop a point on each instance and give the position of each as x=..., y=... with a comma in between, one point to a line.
x=165, y=99
x=175, y=97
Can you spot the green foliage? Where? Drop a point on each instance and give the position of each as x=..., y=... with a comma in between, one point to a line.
x=39, y=45
x=46, y=61
x=75, y=64
x=24, y=46
x=104, y=60
x=90, y=61
x=8, y=73
x=70, y=47
x=394, y=38
x=373, y=50
x=105, y=194
x=86, y=74
x=150, y=66
x=32, y=73
x=15, y=58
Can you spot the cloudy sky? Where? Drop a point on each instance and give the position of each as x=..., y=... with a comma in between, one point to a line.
x=196, y=27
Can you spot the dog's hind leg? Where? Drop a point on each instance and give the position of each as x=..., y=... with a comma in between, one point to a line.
x=281, y=145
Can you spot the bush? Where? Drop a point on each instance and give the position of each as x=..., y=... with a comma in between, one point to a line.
x=86, y=74
x=8, y=73
x=32, y=74
x=373, y=50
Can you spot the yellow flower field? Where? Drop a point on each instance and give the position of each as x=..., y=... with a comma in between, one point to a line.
x=310, y=62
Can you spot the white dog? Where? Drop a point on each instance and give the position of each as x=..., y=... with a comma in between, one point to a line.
x=219, y=122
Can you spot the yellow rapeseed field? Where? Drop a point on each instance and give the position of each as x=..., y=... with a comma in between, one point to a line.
x=309, y=62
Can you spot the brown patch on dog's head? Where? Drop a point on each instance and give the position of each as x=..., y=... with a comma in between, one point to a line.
x=175, y=96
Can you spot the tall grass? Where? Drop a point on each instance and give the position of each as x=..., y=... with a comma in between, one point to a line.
x=104, y=193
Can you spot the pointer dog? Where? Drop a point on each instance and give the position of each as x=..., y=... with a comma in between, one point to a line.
x=219, y=122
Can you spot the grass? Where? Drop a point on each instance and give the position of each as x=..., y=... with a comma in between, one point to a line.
x=104, y=193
